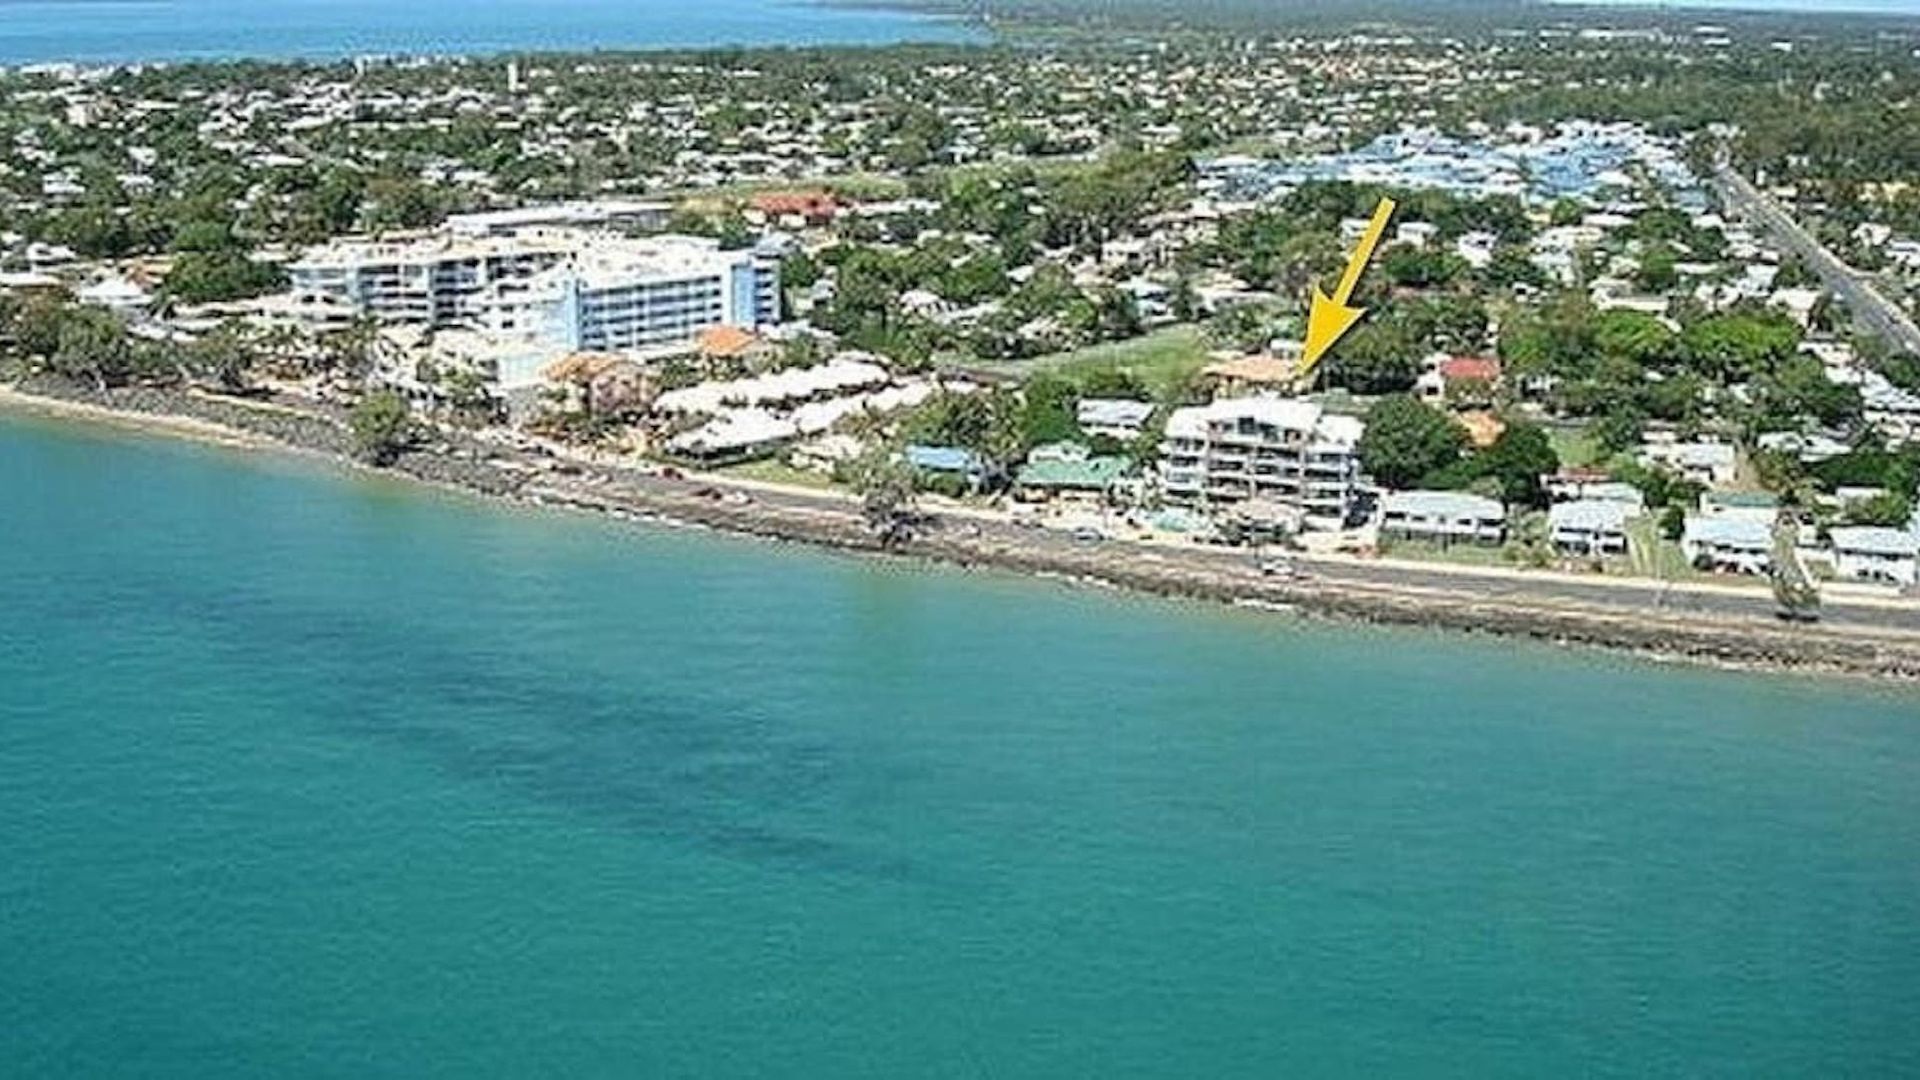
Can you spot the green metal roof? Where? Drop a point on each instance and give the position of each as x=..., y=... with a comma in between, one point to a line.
x=1092, y=474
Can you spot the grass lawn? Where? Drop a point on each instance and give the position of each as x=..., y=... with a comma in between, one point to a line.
x=775, y=471
x=1654, y=555
x=1575, y=446
x=1457, y=554
x=860, y=185
x=1159, y=359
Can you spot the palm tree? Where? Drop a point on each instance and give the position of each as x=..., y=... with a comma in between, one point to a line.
x=1793, y=586
x=886, y=488
x=351, y=350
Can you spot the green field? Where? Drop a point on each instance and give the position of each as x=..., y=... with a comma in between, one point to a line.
x=1575, y=446
x=858, y=185
x=774, y=470
x=1457, y=554
x=1160, y=359
x=1654, y=555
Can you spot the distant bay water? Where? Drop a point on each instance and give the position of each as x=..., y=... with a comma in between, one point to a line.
x=101, y=31
x=308, y=774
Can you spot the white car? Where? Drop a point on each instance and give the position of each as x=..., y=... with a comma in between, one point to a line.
x=1279, y=568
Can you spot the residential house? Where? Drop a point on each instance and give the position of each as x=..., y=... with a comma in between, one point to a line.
x=796, y=209
x=1873, y=553
x=1570, y=483
x=1260, y=373
x=1445, y=517
x=1464, y=380
x=1589, y=526
x=1116, y=418
x=1709, y=463
x=1730, y=543
x=947, y=461
x=1068, y=470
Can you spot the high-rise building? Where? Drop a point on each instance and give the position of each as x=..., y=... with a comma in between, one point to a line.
x=1283, y=450
x=570, y=289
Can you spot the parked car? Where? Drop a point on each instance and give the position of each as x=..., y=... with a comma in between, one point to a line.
x=1281, y=569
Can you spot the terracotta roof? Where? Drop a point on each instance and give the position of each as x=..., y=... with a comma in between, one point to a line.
x=725, y=340
x=1482, y=427
x=1481, y=368
x=1254, y=369
x=808, y=203
x=581, y=365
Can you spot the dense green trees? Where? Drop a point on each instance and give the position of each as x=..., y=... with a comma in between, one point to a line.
x=1379, y=356
x=1407, y=440
x=1516, y=461
x=1409, y=443
x=987, y=423
x=1624, y=367
x=382, y=427
x=886, y=486
x=91, y=345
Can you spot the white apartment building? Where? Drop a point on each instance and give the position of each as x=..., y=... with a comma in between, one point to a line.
x=438, y=280
x=564, y=288
x=1284, y=450
x=624, y=214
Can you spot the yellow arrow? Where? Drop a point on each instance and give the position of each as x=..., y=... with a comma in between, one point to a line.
x=1330, y=316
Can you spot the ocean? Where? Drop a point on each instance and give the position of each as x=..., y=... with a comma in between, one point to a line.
x=307, y=773
x=117, y=31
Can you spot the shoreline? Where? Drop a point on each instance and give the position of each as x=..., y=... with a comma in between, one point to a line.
x=918, y=26
x=1725, y=642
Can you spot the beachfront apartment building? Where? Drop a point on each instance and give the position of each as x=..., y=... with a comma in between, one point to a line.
x=568, y=288
x=1285, y=451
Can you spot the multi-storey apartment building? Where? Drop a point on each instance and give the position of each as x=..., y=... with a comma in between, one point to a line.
x=1283, y=450
x=434, y=279
x=569, y=289
x=625, y=296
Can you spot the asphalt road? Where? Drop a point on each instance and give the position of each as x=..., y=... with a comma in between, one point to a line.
x=1873, y=310
x=1753, y=601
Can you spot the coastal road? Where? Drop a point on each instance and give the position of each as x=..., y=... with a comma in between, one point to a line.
x=1746, y=600
x=1868, y=304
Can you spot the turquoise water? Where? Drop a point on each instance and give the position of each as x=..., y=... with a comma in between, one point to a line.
x=304, y=774
x=37, y=31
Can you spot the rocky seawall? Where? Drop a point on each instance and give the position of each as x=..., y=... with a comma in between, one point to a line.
x=458, y=463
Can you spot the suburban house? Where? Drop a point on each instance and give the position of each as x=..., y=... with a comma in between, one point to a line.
x=1252, y=374
x=1569, y=484
x=1712, y=464
x=795, y=209
x=1446, y=517
x=1758, y=505
x=1069, y=469
x=947, y=461
x=1874, y=553
x=1467, y=380
x=1728, y=542
x=727, y=344
x=1116, y=418
x=1589, y=526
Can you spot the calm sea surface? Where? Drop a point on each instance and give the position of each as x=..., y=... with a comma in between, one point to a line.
x=33, y=31
x=304, y=774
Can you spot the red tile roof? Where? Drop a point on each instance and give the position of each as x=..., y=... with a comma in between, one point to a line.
x=809, y=204
x=1480, y=368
